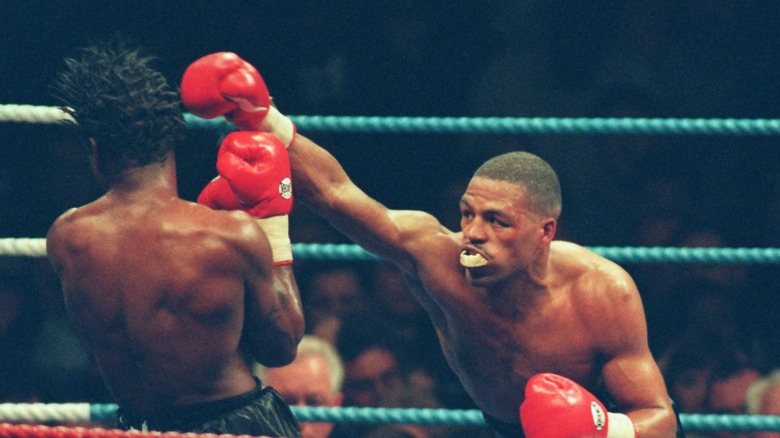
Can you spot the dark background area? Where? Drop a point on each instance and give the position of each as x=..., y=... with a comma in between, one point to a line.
x=666, y=58
x=548, y=59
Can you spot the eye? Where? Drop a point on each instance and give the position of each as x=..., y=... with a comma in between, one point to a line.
x=497, y=222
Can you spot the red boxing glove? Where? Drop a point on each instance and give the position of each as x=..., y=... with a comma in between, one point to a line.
x=223, y=84
x=556, y=407
x=254, y=177
x=218, y=195
x=257, y=168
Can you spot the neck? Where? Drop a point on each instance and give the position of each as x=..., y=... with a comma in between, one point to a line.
x=524, y=290
x=157, y=179
x=516, y=298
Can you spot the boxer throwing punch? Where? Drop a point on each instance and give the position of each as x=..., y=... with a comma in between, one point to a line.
x=175, y=300
x=532, y=327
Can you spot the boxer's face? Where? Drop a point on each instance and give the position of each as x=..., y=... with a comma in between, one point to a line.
x=497, y=224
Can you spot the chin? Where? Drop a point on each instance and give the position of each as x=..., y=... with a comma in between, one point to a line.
x=478, y=277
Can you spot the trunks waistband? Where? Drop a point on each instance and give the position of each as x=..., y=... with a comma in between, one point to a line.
x=177, y=417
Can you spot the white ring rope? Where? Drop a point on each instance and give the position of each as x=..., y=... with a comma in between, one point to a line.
x=26, y=246
x=45, y=412
x=34, y=114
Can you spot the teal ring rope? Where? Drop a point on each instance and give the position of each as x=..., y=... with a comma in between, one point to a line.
x=36, y=247
x=461, y=125
x=332, y=251
x=518, y=125
x=472, y=417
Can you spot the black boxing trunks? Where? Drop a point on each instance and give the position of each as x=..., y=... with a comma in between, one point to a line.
x=680, y=431
x=260, y=412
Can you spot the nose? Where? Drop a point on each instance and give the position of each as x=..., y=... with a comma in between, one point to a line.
x=474, y=230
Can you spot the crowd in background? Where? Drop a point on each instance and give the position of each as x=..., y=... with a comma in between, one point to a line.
x=712, y=327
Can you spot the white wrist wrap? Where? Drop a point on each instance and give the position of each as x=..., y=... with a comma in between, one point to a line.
x=279, y=125
x=276, y=228
x=619, y=426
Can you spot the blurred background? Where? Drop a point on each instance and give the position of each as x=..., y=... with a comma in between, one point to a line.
x=663, y=58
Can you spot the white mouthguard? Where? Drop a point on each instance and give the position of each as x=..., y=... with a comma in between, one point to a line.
x=472, y=260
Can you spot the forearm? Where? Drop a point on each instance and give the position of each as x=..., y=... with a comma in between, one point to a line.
x=273, y=335
x=642, y=397
x=317, y=175
x=654, y=423
x=290, y=300
x=321, y=183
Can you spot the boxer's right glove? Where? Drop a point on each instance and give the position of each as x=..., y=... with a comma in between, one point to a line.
x=223, y=84
x=556, y=407
x=254, y=176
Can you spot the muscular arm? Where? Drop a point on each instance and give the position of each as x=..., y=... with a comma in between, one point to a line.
x=321, y=183
x=630, y=374
x=273, y=321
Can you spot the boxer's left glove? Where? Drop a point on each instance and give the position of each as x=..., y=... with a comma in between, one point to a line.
x=556, y=407
x=223, y=84
x=254, y=176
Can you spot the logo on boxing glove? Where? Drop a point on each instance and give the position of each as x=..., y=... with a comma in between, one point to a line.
x=598, y=415
x=285, y=188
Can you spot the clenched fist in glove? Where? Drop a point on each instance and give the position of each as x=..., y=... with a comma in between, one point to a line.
x=254, y=176
x=223, y=84
x=556, y=407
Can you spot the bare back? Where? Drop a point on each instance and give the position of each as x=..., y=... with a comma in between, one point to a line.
x=157, y=289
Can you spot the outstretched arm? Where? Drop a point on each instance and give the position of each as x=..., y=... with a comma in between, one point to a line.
x=222, y=84
x=322, y=183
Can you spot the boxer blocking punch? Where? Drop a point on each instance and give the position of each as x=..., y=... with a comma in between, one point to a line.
x=176, y=301
x=254, y=176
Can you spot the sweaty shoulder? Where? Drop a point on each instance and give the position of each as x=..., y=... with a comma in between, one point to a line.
x=57, y=235
x=234, y=228
x=60, y=223
x=603, y=294
x=589, y=272
x=73, y=230
x=421, y=236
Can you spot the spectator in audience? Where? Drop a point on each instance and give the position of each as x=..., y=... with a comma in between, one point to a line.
x=763, y=398
x=408, y=322
x=18, y=322
x=687, y=371
x=407, y=397
x=314, y=378
x=330, y=293
x=372, y=360
x=373, y=364
x=727, y=392
x=712, y=317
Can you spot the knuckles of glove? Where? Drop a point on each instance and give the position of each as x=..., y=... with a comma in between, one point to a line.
x=223, y=84
x=556, y=407
x=256, y=166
